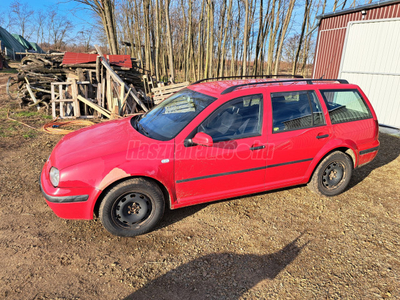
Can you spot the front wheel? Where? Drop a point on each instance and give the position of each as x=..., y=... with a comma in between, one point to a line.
x=332, y=175
x=131, y=208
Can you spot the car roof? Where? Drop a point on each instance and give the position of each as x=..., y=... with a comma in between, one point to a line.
x=220, y=87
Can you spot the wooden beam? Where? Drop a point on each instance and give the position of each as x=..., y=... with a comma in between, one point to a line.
x=28, y=87
x=96, y=107
x=117, y=78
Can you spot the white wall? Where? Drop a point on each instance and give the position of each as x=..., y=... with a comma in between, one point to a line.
x=371, y=59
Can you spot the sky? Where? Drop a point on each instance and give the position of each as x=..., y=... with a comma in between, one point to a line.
x=81, y=18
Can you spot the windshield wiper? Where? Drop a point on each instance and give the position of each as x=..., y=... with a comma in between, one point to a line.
x=141, y=128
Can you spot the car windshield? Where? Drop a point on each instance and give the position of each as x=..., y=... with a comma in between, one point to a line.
x=167, y=119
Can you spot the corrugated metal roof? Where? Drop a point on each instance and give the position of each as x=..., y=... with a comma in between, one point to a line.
x=8, y=41
x=358, y=8
x=36, y=47
x=22, y=41
x=72, y=58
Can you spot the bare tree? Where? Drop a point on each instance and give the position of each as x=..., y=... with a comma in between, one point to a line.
x=105, y=10
x=245, y=37
x=20, y=14
x=283, y=34
x=307, y=7
x=169, y=39
x=58, y=28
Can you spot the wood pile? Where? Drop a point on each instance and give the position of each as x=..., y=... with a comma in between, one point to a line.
x=81, y=90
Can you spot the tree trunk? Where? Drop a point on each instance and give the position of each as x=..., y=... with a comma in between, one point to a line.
x=283, y=34
x=303, y=28
x=169, y=40
x=245, y=38
x=222, y=63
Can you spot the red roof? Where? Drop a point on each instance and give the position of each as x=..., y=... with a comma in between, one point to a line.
x=72, y=58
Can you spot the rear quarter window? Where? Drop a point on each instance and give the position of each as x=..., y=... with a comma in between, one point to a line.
x=345, y=106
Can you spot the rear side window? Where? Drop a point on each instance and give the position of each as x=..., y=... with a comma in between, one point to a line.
x=345, y=106
x=296, y=110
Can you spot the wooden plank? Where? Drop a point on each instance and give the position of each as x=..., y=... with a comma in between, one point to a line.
x=77, y=110
x=103, y=88
x=117, y=78
x=171, y=87
x=28, y=87
x=53, y=105
x=163, y=92
x=98, y=66
x=95, y=106
x=109, y=91
x=61, y=103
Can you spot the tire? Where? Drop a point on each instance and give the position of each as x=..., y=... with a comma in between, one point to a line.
x=332, y=175
x=132, y=208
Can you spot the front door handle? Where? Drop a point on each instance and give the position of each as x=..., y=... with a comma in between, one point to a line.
x=257, y=147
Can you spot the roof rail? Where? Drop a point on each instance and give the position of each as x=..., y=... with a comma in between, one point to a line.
x=309, y=81
x=248, y=76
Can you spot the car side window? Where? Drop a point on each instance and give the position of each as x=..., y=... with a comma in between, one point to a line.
x=239, y=118
x=295, y=110
x=345, y=106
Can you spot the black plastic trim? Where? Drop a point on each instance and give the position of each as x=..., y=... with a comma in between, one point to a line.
x=220, y=174
x=290, y=162
x=362, y=152
x=243, y=171
x=322, y=136
x=257, y=147
x=248, y=76
x=64, y=199
x=308, y=81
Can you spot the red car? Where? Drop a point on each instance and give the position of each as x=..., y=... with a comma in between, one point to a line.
x=211, y=141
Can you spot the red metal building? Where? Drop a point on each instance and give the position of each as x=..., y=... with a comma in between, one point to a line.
x=332, y=33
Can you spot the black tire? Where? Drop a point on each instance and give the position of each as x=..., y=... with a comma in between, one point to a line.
x=131, y=208
x=332, y=175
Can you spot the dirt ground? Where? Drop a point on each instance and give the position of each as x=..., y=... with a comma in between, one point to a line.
x=286, y=244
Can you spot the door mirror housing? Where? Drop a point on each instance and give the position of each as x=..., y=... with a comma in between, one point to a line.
x=202, y=139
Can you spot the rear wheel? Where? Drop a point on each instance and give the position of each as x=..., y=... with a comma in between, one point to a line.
x=132, y=207
x=332, y=175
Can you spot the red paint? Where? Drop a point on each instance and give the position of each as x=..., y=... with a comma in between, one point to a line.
x=92, y=159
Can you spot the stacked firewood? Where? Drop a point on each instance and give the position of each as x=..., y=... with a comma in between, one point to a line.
x=37, y=72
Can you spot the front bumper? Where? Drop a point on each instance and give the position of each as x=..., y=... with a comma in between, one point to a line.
x=68, y=203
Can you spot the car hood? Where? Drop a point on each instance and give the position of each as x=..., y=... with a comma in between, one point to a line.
x=99, y=140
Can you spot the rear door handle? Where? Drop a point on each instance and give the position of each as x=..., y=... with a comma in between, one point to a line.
x=322, y=136
x=257, y=147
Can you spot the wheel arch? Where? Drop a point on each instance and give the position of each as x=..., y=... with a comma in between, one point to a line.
x=164, y=190
x=346, y=150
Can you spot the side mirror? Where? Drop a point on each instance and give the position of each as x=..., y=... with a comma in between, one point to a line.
x=202, y=139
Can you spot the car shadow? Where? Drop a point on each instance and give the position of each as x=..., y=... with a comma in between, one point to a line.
x=173, y=216
x=219, y=275
x=389, y=150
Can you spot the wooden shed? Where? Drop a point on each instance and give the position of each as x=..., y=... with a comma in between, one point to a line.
x=362, y=45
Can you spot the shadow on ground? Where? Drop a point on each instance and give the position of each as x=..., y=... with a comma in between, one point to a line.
x=219, y=276
x=389, y=150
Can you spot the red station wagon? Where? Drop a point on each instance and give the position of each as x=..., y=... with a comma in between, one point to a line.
x=211, y=141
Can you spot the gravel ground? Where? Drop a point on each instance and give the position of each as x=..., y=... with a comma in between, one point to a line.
x=286, y=244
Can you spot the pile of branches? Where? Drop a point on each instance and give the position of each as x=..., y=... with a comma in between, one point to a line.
x=36, y=72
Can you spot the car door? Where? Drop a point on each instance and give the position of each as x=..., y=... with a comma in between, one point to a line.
x=235, y=163
x=297, y=132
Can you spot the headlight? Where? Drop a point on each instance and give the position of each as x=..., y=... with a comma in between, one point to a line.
x=54, y=176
